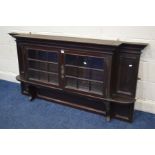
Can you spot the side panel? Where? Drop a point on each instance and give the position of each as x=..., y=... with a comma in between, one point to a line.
x=126, y=75
x=21, y=59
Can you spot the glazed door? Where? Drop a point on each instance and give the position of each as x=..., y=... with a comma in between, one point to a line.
x=85, y=73
x=75, y=71
x=43, y=65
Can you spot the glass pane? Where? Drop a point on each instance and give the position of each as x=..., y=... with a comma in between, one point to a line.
x=95, y=63
x=52, y=68
x=42, y=55
x=43, y=77
x=83, y=85
x=53, y=78
x=42, y=66
x=33, y=64
x=71, y=83
x=83, y=61
x=97, y=88
x=52, y=56
x=72, y=71
x=97, y=75
x=32, y=54
x=38, y=65
x=84, y=73
x=34, y=75
x=71, y=59
x=90, y=62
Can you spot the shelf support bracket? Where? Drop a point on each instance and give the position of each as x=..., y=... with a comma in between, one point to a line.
x=32, y=93
x=108, y=111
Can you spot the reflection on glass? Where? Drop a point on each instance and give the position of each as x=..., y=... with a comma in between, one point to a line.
x=72, y=71
x=43, y=77
x=42, y=66
x=52, y=68
x=97, y=75
x=84, y=73
x=71, y=83
x=83, y=61
x=83, y=85
x=37, y=65
x=34, y=75
x=53, y=78
x=97, y=88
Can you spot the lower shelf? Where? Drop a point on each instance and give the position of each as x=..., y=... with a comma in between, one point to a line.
x=74, y=105
x=120, y=111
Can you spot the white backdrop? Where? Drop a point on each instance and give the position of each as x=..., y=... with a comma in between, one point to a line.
x=146, y=86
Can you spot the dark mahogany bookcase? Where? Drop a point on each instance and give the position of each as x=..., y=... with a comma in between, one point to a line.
x=95, y=75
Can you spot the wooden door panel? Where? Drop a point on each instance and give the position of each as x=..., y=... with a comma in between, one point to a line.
x=127, y=75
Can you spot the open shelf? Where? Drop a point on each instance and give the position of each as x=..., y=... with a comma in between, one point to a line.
x=72, y=100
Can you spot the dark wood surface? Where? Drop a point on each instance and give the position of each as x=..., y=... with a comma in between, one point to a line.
x=95, y=75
